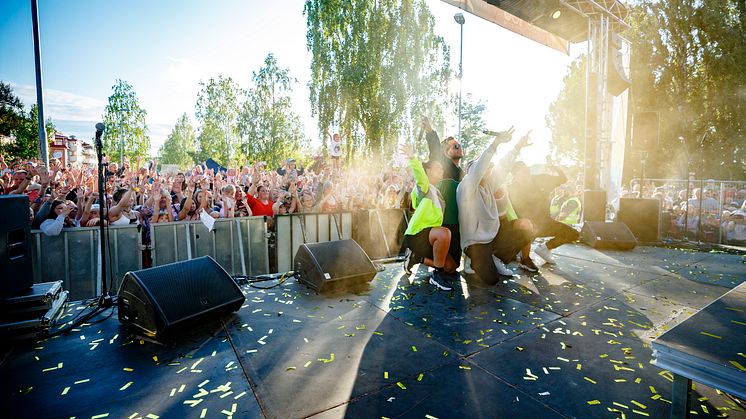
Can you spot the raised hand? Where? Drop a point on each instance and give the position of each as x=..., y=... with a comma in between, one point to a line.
x=425, y=123
x=525, y=140
x=407, y=150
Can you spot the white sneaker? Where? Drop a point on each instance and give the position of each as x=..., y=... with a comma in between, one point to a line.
x=467, y=266
x=545, y=254
x=438, y=283
x=501, y=268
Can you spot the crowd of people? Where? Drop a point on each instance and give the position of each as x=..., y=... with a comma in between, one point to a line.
x=486, y=214
x=721, y=207
x=67, y=196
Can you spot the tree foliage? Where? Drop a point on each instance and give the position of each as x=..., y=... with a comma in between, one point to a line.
x=20, y=125
x=473, y=140
x=376, y=66
x=126, y=129
x=687, y=64
x=268, y=127
x=217, y=113
x=180, y=146
x=566, y=117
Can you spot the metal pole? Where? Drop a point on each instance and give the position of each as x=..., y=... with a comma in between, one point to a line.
x=43, y=153
x=460, y=77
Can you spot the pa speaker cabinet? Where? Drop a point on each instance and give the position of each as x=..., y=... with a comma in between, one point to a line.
x=594, y=205
x=333, y=266
x=16, y=266
x=612, y=236
x=157, y=300
x=642, y=216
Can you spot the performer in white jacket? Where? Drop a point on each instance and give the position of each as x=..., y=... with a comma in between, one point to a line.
x=481, y=203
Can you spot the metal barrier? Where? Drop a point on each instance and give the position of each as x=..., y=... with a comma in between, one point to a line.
x=296, y=229
x=239, y=245
x=74, y=256
x=706, y=219
x=381, y=232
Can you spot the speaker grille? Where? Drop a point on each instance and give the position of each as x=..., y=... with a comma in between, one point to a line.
x=182, y=290
x=324, y=266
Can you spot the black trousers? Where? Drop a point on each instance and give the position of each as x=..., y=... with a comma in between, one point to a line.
x=561, y=233
x=504, y=246
x=455, y=248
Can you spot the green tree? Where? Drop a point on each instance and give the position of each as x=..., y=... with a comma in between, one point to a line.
x=376, y=67
x=126, y=129
x=473, y=140
x=566, y=117
x=21, y=126
x=268, y=127
x=180, y=146
x=217, y=113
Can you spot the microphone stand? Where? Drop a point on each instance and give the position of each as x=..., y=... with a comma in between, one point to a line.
x=105, y=300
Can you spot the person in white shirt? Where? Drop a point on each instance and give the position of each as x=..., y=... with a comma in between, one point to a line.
x=57, y=219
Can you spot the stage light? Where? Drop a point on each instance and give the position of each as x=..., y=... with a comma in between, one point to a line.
x=557, y=13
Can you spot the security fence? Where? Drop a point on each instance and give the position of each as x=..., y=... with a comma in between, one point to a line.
x=705, y=210
x=240, y=245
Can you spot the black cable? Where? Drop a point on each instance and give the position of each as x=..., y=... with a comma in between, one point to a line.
x=251, y=280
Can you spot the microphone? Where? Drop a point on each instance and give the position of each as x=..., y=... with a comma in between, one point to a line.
x=99, y=130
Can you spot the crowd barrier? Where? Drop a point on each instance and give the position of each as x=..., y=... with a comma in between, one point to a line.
x=74, y=256
x=293, y=230
x=677, y=224
x=239, y=245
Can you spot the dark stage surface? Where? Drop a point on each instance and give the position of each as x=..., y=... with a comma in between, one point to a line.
x=573, y=341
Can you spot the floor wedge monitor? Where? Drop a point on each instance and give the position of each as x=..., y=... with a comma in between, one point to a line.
x=333, y=266
x=157, y=300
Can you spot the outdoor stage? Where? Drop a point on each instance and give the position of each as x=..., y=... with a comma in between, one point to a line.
x=572, y=342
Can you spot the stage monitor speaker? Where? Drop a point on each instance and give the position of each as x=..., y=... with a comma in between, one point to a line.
x=333, y=266
x=645, y=131
x=16, y=266
x=157, y=300
x=612, y=236
x=642, y=216
x=594, y=205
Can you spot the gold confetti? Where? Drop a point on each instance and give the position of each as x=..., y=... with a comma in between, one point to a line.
x=402, y=386
x=103, y=415
x=737, y=365
x=200, y=385
x=306, y=364
x=464, y=367
x=414, y=348
x=711, y=335
x=593, y=402
x=386, y=375
x=641, y=413
x=155, y=358
x=126, y=386
x=638, y=404
x=419, y=377
x=203, y=414
x=82, y=381
x=589, y=380
x=66, y=389
x=127, y=369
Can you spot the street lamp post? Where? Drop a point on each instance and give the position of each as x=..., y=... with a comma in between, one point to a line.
x=459, y=18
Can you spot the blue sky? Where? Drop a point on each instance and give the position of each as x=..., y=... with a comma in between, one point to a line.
x=164, y=48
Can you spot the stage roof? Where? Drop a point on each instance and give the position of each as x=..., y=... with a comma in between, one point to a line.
x=554, y=23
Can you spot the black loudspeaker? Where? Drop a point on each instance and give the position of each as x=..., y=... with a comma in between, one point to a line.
x=613, y=236
x=594, y=205
x=157, y=300
x=16, y=266
x=645, y=131
x=333, y=266
x=642, y=216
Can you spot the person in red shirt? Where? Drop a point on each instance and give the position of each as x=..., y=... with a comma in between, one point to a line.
x=261, y=205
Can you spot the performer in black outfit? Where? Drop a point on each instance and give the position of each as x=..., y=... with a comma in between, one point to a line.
x=530, y=196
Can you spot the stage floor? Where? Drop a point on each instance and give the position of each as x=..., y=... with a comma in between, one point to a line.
x=572, y=341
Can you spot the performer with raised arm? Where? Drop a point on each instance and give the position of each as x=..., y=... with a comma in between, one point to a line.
x=449, y=153
x=530, y=197
x=482, y=203
x=426, y=239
